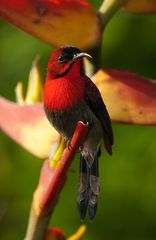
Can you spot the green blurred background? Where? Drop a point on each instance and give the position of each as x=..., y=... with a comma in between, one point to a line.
x=127, y=204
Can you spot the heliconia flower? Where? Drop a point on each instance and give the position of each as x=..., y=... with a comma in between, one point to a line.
x=28, y=127
x=140, y=6
x=34, y=92
x=31, y=128
x=129, y=98
x=45, y=20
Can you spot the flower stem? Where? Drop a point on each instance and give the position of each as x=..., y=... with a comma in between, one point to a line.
x=108, y=9
x=50, y=185
x=37, y=226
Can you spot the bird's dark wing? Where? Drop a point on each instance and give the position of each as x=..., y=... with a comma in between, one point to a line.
x=94, y=101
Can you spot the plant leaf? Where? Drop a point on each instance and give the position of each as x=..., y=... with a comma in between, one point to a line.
x=141, y=6
x=28, y=126
x=129, y=98
x=54, y=21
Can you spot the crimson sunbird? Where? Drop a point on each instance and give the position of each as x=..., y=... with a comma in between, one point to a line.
x=70, y=96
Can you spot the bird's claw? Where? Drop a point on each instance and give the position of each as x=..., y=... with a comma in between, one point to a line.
x=80, y=149
x=69, y=146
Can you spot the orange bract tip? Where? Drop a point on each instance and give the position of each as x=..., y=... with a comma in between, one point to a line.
x=141, y=6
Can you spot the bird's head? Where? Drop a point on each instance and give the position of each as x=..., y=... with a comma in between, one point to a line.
x=62, y=60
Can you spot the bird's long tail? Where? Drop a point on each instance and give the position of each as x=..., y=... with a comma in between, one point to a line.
x=88, y=189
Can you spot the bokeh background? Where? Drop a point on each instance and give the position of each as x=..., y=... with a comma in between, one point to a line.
x=127, y=204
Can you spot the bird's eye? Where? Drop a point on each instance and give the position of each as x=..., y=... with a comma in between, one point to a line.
x=61, y=59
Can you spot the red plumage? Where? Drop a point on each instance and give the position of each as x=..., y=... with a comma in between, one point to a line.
x=63, y=93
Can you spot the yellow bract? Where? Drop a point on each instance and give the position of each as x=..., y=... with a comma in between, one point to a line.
x=78, y=235
x=55, y=157
x=19, y=93
x=31, y=127
x=34, y=92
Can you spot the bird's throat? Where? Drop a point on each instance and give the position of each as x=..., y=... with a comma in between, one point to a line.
x=64, y=92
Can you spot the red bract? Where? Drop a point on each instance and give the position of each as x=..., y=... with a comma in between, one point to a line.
x=24, y=4
x=130, y=98
x=28, y=126
x=45, y=19
x=55, y=234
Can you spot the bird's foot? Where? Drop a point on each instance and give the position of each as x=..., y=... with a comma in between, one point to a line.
x=69, y=146
x=80, y=149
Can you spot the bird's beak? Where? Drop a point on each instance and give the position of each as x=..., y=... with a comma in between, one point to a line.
x=80, y=55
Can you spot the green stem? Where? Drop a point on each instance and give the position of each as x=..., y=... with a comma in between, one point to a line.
x=108, y=9
x=91, y=67
x=37, y=227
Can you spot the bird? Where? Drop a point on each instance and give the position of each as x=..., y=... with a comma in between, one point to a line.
x=70, y=96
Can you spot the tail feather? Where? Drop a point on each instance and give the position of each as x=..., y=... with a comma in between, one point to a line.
x=94, y=188
x=82, y=199
x=88, y=190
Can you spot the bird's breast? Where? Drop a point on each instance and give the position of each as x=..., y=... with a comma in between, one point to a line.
x=62, y=93
x=65, y=121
